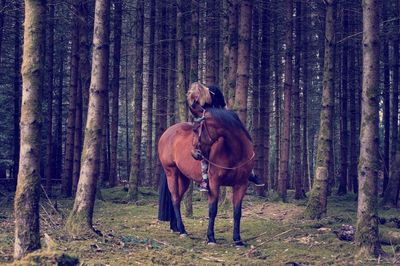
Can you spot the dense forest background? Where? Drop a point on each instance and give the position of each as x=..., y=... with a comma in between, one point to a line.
x=293, y=70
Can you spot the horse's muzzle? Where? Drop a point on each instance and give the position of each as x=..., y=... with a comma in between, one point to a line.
x=196, y=154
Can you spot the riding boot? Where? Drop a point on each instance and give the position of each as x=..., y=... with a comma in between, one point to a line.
x=204, y=174
x=256, y=180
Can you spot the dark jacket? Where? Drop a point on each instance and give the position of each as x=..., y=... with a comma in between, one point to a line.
x=217, y=98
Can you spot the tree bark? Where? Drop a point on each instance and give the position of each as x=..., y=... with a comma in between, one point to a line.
x=287, y=90
x=316, y=207
x=80, y=219
x=243, y=67
x=26, y=203
x=134, y=177
x=115, y=92
x=367, y=234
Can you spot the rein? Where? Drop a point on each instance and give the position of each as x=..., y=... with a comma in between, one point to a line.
x=230, y=168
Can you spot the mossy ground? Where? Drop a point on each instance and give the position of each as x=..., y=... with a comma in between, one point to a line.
x=275, y=232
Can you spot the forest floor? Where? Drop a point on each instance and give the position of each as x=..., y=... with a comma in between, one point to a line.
x=275, y=232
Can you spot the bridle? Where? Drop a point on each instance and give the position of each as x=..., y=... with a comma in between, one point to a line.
x=203, y=124
x=201, y=121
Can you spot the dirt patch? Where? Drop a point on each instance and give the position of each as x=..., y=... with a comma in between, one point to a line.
x=274, y=211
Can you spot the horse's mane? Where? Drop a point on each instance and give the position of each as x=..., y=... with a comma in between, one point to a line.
x=228, y=119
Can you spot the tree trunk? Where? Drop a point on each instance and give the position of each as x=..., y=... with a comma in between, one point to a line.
x=149, y=118
x=134, y=177
x=367, y=234
x=17, y=86
x=316, y=207
x=194, y=76
x=353, y=116
x=172, y=65
x=115, y=92
x=50, y=77
x=58, y=132
x=305, y=42
x=162, y=78
x=181, y=86
x=2, y=8
x=233, y=18
x=69, y=146
x=395, y=96
x=264, y=97
x=211, y=42
x=297, y=110
x=256, y=115
x=243, y=67
x=344, y=135
x=26, y=203
x=287, y=90
x=80, y=219
x=277, y=100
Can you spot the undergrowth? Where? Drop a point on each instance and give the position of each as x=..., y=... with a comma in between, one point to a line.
x=130, y=234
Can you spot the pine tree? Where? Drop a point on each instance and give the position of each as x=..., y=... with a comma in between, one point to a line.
x=26, y=203
x=80, y=220
x=316, y=207
x=367, y=235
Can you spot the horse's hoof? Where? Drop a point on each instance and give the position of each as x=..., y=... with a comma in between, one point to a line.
x=211, y=243
x=184, y=235
x=239, y=244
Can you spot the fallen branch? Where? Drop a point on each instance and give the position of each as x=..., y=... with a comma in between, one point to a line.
x=267, y=240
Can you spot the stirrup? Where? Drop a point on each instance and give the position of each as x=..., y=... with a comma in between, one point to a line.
x=203, y=186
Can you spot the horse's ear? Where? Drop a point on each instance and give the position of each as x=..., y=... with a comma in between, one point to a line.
x=196, y=110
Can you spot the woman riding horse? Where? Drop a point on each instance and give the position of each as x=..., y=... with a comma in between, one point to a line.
x=200, y=98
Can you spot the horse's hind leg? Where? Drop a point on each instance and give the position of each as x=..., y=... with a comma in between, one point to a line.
x=176, y=187
x=238, y=194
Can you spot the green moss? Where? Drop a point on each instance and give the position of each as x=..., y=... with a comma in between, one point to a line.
x=48, y=258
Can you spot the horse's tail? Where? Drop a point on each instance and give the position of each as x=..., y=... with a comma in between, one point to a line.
x=165, y=208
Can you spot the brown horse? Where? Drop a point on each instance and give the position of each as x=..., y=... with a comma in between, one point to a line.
x=220, y=135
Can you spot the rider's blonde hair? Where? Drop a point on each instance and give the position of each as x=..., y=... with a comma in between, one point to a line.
x=198, y=93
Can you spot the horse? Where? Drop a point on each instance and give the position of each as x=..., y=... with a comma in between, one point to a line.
x=220, y=135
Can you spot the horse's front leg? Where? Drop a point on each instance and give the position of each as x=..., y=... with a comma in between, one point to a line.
x=212, y=213
x=238, y=194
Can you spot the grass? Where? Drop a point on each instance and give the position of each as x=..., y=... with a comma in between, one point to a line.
x=275, y=233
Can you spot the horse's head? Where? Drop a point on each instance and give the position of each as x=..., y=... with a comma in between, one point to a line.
x=204, y=135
